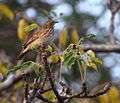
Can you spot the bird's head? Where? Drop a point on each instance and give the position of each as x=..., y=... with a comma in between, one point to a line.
x=49, y=24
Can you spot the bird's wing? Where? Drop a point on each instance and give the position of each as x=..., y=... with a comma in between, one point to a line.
x=31, y=38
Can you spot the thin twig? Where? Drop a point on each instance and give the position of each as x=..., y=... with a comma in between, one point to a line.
x=43, y=83
x=32, y=96
x=101, y=92
x=95, y=47
x=48, y=73
x=26, y=91
x=39, y=96
x=114, y=7
x=102, y=48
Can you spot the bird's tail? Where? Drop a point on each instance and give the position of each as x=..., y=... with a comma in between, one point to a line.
x=22, y=53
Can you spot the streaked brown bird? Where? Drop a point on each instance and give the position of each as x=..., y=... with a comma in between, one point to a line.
x=42, y=35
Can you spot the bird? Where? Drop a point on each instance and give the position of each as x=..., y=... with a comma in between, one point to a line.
x=42, y=35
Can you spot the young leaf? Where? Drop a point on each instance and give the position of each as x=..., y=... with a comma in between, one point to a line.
x=30, y=27
x=68, y=56
x=6, y=11
x=36, y=68
x=25, y=66
x=93, y=65
x=71, y=61
x=74, y=37
x=63, y=39
x=50, y=95
x=50, y=49
x=22, y=66
x=21, y=31
x=88, y=36
x=97, y=60
x=91, y=53
x=53, y=58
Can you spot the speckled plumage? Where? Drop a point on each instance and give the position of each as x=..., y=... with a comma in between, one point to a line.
x=42, y=35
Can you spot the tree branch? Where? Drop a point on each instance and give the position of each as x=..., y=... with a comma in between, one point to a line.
x=96, y=94
x=39, y=96
x=48, y=73
x=102, y=47
x=13, y=79
x=114, y=7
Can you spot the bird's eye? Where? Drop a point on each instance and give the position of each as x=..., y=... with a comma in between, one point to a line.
x=46, y=26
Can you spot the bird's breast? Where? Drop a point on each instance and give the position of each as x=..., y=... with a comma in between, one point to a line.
x=35, y=44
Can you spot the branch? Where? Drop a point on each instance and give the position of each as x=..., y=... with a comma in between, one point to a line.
x=13, y=79
x=10, y=81
x=114, y=7
x=102, y=47
x=96, y=94
x=39, y=96
x=48, y=73
x=102, y=91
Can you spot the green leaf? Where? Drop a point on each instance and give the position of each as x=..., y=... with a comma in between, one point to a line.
x=67, y=55
x=53, y=58
x=91, y=53
x=90, y=36
x=30, y=27
x=71, y=61
x=50, y=95
x=50, y=49
x=94, y=66
x=26, y=65
x=23, y=66
x=36, y=68
x=97, y=61
x=87, y=36
x=67, y=58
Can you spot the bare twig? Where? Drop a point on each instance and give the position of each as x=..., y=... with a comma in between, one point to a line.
x=43, y=83
x=26, y=91
x=32, y=95
x=48, y=72
x=101, y=92
x=43, y=91
x=114, y=7
x=102, y=47
x=14, y=78
x=61, y=99
x=39, y=96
